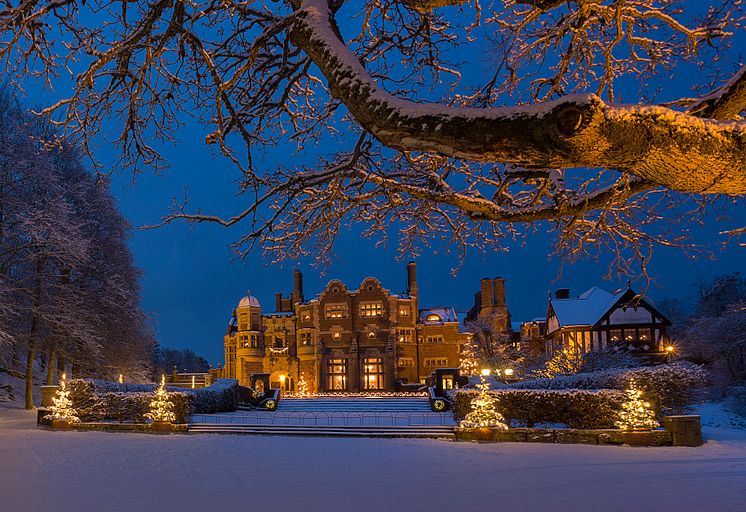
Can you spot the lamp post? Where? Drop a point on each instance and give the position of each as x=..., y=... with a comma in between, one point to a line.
x=670, y=349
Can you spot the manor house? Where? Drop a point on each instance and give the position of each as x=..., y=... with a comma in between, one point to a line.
x=360, y=340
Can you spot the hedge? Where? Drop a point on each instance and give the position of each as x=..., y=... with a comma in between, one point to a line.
x=667, y=387
x=101, y=400
x=575, y=408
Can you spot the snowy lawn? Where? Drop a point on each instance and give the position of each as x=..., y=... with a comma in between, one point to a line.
x=117, y=471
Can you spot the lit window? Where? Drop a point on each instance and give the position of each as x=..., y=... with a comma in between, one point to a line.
x=372, y=334
x=437, y=362
x=370, y=309
x=337, y=335
x=406, y=362
x=433, y=340
x=337, y=374
x=373, y=373
x=336, y=310
x=433, y=318
x=405, y=335
x=306, y=317
x=404, y=310
x=306, y=339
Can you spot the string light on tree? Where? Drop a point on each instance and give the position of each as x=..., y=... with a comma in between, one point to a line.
x=302, y=385
x=468, y=362
x=636, y=413
x=161, y=407
x=483, y=413
x=62, y=407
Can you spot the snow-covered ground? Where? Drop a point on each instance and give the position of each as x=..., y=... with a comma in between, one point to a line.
x=114, y=471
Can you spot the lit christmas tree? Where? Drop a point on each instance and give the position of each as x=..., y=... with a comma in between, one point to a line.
x=62, y=406
x=468, y=362
x=161, y=408
x=303, y=386
x=636, y=414
x=483, y=413
x=565, y=362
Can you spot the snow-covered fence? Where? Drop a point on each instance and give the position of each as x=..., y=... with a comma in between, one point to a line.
x=575, y=408
x=101, y=400
x=666, y=386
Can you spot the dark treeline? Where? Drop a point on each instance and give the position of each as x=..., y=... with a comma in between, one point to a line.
x=183, y=360
x=710, y=329
x=69, y=292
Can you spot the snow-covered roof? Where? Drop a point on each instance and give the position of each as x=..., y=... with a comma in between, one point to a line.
x=586, y=309
x=447, y=314
x=248, y=300
x=280, y=313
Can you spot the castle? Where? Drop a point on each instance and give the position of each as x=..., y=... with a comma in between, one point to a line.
x=361, y=340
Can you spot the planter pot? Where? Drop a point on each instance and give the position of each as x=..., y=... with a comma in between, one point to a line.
x=161, y=426
x=61, y=424
x=483, y=434
x=639, y=437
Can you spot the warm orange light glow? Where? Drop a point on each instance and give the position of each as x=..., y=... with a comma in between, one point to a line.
x=282, y=378
x=485, y=372
x=508, y=371
x=669, y=348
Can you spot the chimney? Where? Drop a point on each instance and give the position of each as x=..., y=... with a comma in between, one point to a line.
x=562, y=293
x=498, y=287
x=411, y=278
x=487, y=293
x=278, y=301
x=297, y=286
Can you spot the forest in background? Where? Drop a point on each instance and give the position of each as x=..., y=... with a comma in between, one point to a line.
x=69, y=290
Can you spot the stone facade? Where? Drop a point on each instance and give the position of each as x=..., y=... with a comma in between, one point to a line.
x=360, y=340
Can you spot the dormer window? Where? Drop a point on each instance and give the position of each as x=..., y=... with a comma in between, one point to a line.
x=433, y=318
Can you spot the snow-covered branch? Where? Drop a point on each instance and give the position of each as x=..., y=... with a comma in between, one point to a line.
x=672, y=149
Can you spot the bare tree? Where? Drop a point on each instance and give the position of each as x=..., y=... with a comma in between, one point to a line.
x=424, y=148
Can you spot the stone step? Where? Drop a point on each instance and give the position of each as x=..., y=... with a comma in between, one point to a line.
x=340, y=431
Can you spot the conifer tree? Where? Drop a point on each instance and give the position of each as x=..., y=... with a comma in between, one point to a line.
x=161, y=408
x=636, y=413
x=483, y=412
x=468, y=362
x=303, y=386
x=62, y=407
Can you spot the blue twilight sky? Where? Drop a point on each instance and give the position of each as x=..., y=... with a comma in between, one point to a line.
x=191, y=280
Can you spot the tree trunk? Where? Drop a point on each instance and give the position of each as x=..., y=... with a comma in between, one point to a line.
x=32, y=337
x=60, y=365
x=52, y=367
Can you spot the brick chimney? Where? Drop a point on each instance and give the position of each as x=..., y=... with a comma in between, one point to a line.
x=498, y=288
x=297, y=286
x=487, y=292
x=562, y=293
x=278, y=301
x=412, y=278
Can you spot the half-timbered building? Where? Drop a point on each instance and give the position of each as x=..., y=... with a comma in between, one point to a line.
x=597, y=320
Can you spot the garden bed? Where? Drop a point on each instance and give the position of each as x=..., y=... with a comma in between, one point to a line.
x=565, y=436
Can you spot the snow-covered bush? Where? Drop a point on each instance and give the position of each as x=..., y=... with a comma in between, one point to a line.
x=99, y=400
x=665, y=386
x=576, y=408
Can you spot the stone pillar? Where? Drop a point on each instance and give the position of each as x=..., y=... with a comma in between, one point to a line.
x=685, y=430
x=47, y=393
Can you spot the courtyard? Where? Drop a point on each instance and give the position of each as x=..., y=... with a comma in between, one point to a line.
x=117, y=471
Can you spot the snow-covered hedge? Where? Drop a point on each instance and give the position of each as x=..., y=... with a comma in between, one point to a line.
x=576, y=408
x=101, y=400
x=665, y=386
